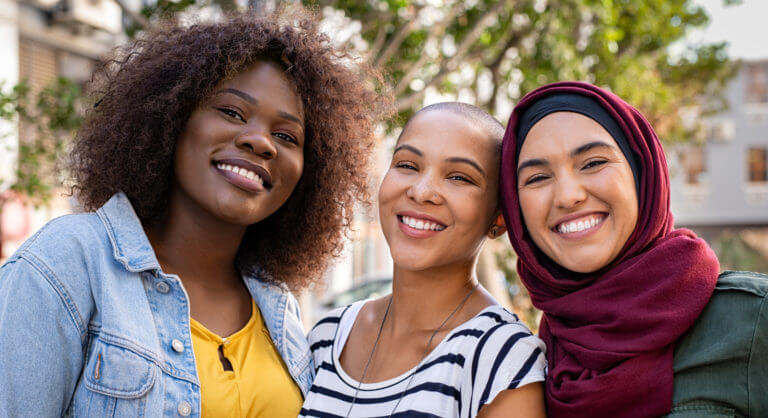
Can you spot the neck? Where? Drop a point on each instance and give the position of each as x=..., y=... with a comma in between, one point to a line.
x=195, y=245
x=422, y=299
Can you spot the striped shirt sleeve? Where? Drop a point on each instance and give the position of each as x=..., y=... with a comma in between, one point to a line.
x=507, y=356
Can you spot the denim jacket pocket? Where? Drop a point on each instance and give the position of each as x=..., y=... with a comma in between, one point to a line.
x=118, y=380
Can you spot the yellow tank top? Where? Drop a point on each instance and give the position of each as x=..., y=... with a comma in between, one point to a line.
x=258, y=385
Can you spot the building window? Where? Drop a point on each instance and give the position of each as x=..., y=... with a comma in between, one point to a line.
x=695, y=165
x=757, y=162
x=757, y=84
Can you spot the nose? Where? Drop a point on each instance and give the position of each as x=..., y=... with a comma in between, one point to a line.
x=424, y=190
x=258, y=141
x=569, y=191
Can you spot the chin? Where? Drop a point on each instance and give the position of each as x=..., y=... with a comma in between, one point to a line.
x=410, y=262
x=577, y=266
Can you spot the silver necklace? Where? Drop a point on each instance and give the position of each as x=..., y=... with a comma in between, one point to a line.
x=423, y=355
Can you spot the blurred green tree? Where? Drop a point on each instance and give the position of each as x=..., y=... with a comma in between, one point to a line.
x=493, y=52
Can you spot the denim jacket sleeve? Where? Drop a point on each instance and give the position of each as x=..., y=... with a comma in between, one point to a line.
x=41, y=340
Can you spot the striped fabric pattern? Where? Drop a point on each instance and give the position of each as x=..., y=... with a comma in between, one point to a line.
x=490, y=353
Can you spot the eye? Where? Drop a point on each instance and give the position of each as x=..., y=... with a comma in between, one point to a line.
x=535, y=179
x=286, y=137
x=459, y=177
x=406, y=165
x=231, y=113
x=594, y=163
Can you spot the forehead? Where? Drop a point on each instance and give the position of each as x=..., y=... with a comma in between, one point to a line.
x=561, y=133
x=443, y=132
x=265, y=80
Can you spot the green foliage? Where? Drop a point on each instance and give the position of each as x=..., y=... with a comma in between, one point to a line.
x=623, y=45
x=48, y=121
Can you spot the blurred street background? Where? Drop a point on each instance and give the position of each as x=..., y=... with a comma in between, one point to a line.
x=698, y=69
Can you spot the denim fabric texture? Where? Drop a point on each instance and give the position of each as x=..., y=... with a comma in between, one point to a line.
x=91, y=326
x=721, y=364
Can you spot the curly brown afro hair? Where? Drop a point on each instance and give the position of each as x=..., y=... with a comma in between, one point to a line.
x=148, y=89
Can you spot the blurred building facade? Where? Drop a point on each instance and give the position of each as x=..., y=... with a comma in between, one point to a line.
x=41, y=41
x=721, y=184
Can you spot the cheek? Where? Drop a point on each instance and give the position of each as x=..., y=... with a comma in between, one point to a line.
x=292, y=168
x=387, y=191
x=533, y=205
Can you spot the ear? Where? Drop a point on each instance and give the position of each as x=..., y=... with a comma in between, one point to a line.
x=498, y=228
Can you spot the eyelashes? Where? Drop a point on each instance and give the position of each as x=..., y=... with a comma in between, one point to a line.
x=536, y=178
x=237, y=116
x=454, y=177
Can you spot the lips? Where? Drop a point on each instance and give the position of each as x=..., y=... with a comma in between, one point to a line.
x=245, y=169
x=421, y=224
x=579, y=223
x=417, y=225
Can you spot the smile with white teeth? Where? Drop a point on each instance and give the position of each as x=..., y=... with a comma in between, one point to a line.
x=240, y=171
x=580, y=224
x=421, y=224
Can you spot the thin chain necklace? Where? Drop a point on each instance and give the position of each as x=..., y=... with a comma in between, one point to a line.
x=423, y=355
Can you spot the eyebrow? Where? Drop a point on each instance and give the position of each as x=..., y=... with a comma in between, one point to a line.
x=464, y=160
x=405, y=147
x=252, y=100
x=241, y=94
x=535, y=162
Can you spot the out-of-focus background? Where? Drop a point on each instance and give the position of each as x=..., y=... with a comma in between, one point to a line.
x=697, y=68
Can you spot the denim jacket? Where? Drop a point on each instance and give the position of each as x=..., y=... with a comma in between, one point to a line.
x=91, y=326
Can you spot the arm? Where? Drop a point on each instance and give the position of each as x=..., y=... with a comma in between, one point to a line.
x=41, y=337
x=507, y=373
x=526, y=401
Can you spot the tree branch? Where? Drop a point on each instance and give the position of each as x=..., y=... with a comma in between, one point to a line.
x=397, y=40
x=461, y=55
x=436, y=31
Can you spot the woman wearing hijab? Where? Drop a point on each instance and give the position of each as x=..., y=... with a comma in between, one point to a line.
x=637, y=320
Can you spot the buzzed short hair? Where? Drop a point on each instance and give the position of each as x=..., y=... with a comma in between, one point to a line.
x=475, y=115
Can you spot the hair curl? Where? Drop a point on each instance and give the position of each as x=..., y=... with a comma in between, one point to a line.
x=149, y=88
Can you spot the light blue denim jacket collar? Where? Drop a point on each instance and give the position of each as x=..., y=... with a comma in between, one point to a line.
x=278, y=307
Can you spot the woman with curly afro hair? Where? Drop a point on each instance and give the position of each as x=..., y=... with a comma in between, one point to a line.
x=219, y=168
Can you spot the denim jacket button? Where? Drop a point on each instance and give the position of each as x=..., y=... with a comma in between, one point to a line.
x=162, y=287
x=177, y=345
x=185, y=408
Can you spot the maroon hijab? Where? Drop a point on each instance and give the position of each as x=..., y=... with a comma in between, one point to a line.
x=610, y=334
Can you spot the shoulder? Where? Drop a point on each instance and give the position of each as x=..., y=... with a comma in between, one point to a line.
x=325, y=328
x=68, y=235
x=495, y=323
x=735, y=306
x=506, y=356
x=503, y=341
x=53, y=269
x=728, y=341
x=743, y=281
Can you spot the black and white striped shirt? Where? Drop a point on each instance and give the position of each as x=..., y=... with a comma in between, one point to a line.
x=490, y=353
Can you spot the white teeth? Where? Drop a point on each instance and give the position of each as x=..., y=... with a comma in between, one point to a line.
x=578, y=226
x=421, y=224
x=250, y=175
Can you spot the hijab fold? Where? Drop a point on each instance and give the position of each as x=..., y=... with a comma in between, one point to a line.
x=610, y=334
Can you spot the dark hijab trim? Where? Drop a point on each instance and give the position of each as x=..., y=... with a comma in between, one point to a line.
x=576, y=103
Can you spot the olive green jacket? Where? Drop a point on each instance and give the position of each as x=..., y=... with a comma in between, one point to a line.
x=721, y=363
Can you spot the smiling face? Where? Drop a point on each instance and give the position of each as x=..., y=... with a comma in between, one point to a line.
x=577, y=192
x=241, y=153
x=439, y=198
